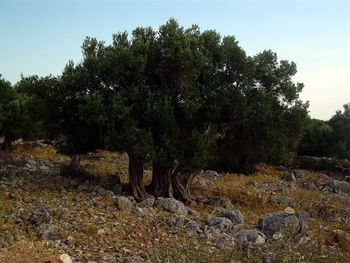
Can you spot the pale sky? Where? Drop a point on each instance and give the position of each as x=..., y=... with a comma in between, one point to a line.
x=40, y=36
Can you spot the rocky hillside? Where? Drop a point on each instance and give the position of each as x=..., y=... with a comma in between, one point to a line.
x=275, y=215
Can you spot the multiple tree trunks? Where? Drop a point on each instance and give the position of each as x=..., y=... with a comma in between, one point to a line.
x=168, y=183
x=165, y=183
x=322, y=163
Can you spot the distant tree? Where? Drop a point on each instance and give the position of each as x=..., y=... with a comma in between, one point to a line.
x=43, y=104
x=317, y=139
x=340, y=123
x=328, y=138
x=15, y=121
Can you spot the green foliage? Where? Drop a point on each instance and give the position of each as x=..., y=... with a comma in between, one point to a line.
x=43, y=104
x=328, y=138
x=15, y=120
x=269, y=119
x=176, y=97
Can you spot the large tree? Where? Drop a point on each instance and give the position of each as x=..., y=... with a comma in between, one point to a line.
x=170, y=97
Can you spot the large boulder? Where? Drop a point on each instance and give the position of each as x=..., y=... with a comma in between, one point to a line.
x=338, y=187
x=285, y=222
x=171, y=205
x=235, y=216
x=123, y=203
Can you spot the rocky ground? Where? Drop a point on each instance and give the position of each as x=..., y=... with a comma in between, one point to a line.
x=275, y=215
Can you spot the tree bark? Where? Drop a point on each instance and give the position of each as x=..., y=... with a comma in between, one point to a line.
x=136, y=178
x=182, y=186
x=161, y=182
x=166, y=183
x=75, y=169
x=6, y=145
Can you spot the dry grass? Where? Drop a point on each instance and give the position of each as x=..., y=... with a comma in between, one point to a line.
x=33, y=151
x=130, y=234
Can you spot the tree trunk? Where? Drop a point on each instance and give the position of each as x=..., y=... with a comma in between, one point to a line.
x=6, y=145
x=181, y=184
x=75, y=169
x=136, y=178
x=161, y=182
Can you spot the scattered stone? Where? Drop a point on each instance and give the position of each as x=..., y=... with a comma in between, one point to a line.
x=117, y=189
x=40, y=215
x=99, y=190
x=83, y=188
x=219, y=201
x=328, y=212
x=304, y=240
x=148, y=202
x=202, y=183
x=224, y=241
x=123, y=203
x=347, y=179
x=211, y=175
x=221, y=223
x=171, y=205
x=53, y=259
x=48, y=232
x=289, y=211
x=288, y=176
x=70, y=240
x=251, y=236
x=298, y=174
x=303, y=218
x=286, y=201
x=252, y=183
x=342, y=238
x=310, y=185
x=109, y=181
x=182, y=222
x=65, y=258
x=134, y=259
x=100, y=232
x=235, y=216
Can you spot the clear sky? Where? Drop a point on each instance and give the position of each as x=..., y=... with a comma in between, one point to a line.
x=40, y=36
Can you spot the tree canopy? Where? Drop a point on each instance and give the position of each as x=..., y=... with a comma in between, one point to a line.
x=177, y=99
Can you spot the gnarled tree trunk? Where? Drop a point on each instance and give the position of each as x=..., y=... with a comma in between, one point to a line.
x=136, y=177
x=181, y=184
x=75, y=169
x=166, y=183
x=161, y=182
